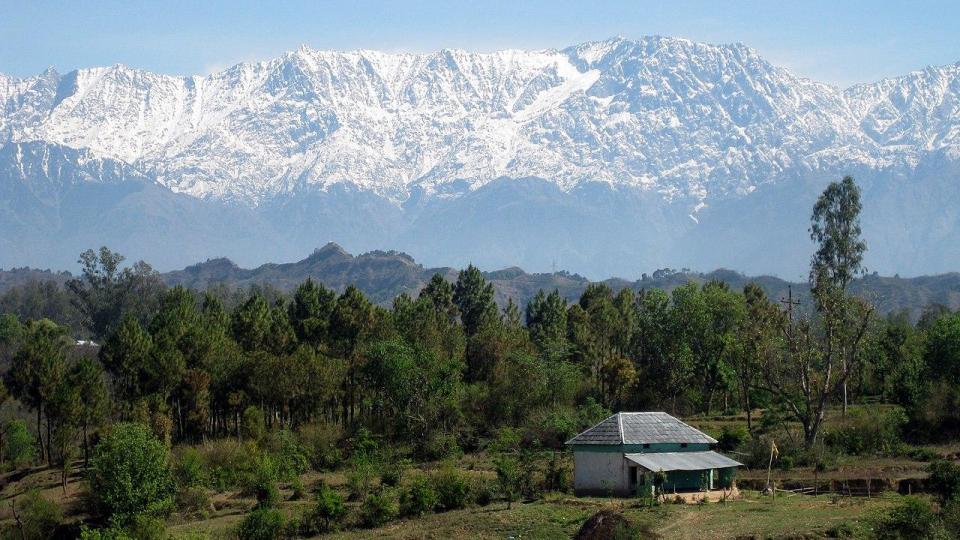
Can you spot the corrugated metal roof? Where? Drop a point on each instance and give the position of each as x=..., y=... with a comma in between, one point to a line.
x=641, y=428
x=682, y=461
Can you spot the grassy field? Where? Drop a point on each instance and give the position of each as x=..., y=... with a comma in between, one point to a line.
x=560, y=516
x=556, y=515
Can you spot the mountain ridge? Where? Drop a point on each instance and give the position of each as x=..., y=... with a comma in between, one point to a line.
x=731, y=90
x=607, y=157
x=383, y=275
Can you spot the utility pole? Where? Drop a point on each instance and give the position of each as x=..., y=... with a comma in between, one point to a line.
x=790, y=302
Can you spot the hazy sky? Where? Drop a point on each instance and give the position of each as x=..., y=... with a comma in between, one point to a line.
x=840, y=42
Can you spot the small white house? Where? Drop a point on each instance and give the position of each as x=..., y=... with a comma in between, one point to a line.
x=621, y=455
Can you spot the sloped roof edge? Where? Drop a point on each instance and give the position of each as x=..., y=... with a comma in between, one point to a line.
x=641, y=428
x=682, y=461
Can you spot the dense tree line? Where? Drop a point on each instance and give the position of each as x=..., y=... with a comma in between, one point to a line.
x=448, y=368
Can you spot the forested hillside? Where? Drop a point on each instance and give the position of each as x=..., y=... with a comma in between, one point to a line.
x=235, y=402
x=383, y=275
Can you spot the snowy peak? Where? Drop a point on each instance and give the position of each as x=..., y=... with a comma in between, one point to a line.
x=688, y=120
x=920, y=110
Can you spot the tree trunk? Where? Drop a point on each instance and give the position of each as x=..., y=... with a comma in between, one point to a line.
x=86, y=447
x=40, y=446
x=845, y=385
x=746, y=406
x=49, y=453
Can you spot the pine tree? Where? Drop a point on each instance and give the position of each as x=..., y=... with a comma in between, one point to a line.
x=547, y=320
x=440, y=294
x=310, y=311
x=87, y=377
x=251, y=322
x=352, y=321
x=125, y=355
x=37, y=371
x=473, y=296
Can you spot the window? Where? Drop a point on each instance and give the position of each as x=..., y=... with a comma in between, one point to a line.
x=646, y=445
x=683, y=445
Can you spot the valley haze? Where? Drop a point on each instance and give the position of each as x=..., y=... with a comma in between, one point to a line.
x=607, y=158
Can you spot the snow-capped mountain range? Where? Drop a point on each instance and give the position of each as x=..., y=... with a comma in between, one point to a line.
x=684, y=126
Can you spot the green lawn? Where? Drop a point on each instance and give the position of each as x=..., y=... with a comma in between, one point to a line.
x=754, y=515
x=560, y=516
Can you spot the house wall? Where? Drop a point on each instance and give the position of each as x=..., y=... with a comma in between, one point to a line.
x=599, y=473
x=602, y=469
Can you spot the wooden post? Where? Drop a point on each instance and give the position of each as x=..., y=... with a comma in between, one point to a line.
x=770, y=463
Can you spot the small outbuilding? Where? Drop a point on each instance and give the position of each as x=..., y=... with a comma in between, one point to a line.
x=626, y=452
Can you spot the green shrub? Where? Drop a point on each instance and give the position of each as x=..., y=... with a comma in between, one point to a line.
x=785, y=463
x=732, y=437
x=129, y=475
x=40, y=517
x=509, y=477
x=841, y=530
x=19, y=444
x=379, y=508
x=529, y=474
x=913, y=518
x=869, y=431
x=755, y=452
x=419, y=498
x=591, y=412
x=289, y=458
x=263, y=484
x=439, y=445
x=322, y=443
x=261, y=524
x=360, y=476
x=146, y=527
x=950, y=515
x=299, y=490
x=189, y=469
x=253, y=425
x=482, y=490
x=944, y=480
x=920, y=453
x=393, y=471
x=725, y=478
x=551, y=427
x=557, y=477
x=820, y=457
x=111, y=533
x=363, y=443
x=451, y=487
x=326, y=514
x=194, y=502
x=229, y=464
x=139, y=528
